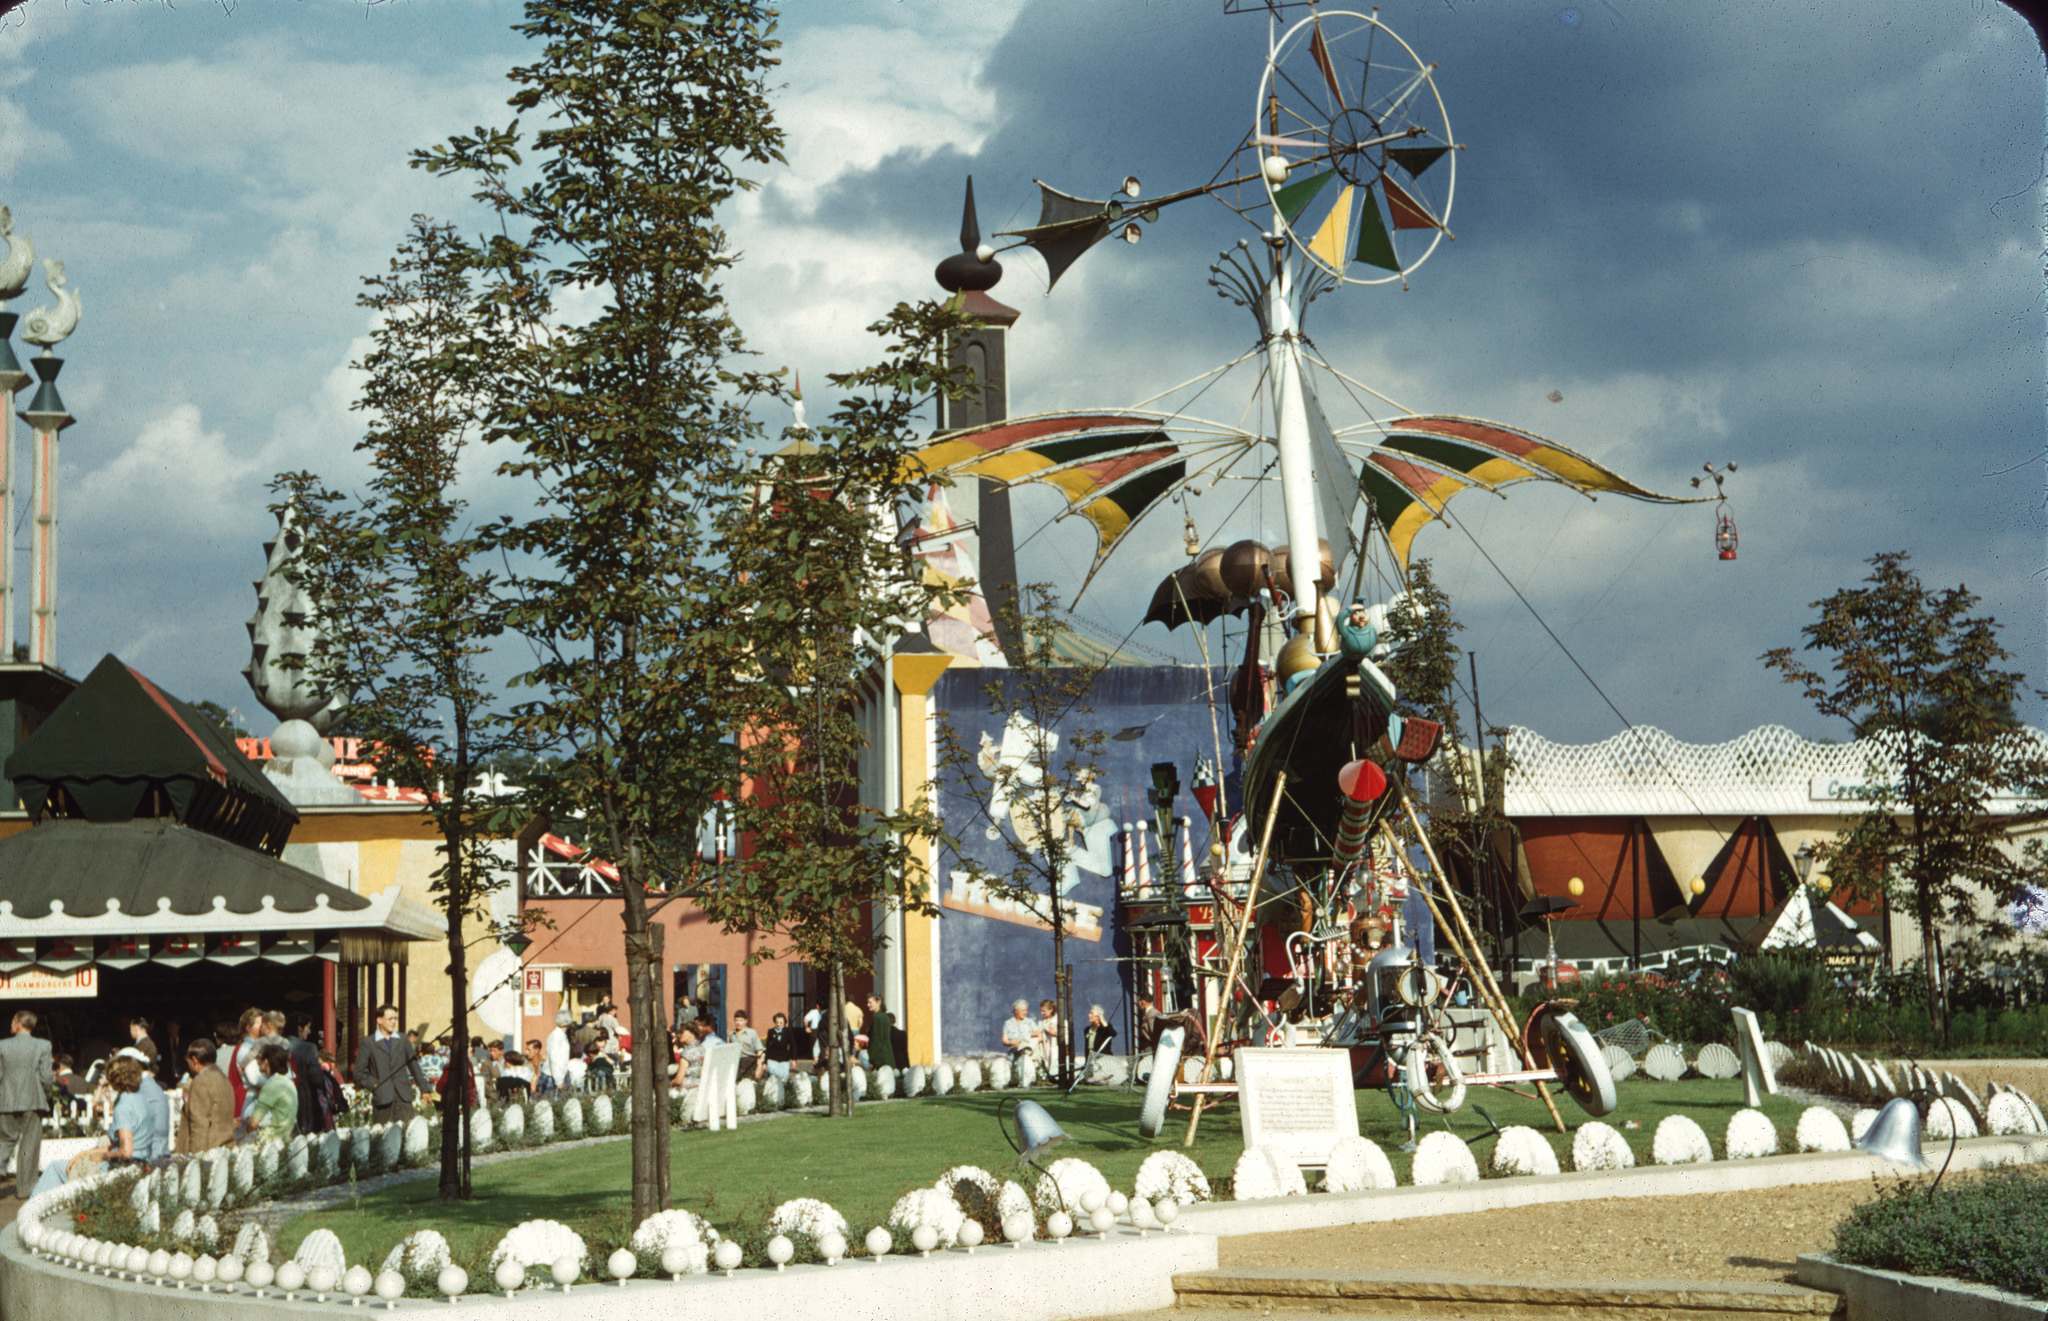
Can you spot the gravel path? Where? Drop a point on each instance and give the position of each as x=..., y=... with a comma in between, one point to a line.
x=1711, y=1236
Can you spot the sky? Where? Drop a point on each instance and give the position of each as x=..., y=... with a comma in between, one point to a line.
x=1803, y=238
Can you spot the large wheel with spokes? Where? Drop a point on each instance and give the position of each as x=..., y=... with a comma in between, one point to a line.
x=1357, y=155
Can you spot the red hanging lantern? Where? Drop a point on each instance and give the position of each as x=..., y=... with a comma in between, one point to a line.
x=1725, y=536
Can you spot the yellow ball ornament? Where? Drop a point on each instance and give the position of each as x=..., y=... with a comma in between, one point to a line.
x=1576, y=886
x=1699, y=885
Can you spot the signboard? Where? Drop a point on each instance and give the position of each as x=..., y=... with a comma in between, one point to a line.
x=530, y=1006
x=1297, y=1102
x=533, y=980
x=1758, y=1077
x=37, y=984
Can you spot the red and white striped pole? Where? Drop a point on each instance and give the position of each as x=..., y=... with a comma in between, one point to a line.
x=46, y=417
x=12, y=379
x=1361, y=783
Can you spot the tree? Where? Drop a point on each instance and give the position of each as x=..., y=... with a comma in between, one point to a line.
x=828, y=584
x=225, y=719
x=408, y=609
x=1423, y=666
x=636, y=432
x=1035, y=789
x=1919, y=674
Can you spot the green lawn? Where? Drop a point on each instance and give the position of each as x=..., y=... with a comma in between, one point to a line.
x=862, y=1165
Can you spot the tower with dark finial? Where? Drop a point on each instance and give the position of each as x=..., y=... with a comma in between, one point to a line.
x=983, y=349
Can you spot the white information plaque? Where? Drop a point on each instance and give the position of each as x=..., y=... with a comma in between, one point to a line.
x=1297, y=1101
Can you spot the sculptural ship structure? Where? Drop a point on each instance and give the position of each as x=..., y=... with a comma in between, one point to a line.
x=1347, y=174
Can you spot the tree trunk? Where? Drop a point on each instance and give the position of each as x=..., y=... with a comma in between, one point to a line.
x=649, y=1077
x=838, y=1057
x=454, y=1132
x=1062, y=994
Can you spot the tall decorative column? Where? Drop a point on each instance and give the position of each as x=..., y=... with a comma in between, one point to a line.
x=17, y=260
x=983, y=350
x=46, y=417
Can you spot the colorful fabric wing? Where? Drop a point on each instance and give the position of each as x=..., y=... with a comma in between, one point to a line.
x=1405, y=496
x=1112, y=466
x=1494, y=455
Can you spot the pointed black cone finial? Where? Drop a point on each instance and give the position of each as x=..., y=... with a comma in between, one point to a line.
x=970, y=224
x=974, y=266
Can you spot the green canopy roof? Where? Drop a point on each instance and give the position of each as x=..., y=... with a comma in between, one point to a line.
x=144, y=869
x=120, y=748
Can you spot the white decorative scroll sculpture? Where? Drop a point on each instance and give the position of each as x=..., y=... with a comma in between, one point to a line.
x=17, y=258
x=718, y=1088
x=52, y=325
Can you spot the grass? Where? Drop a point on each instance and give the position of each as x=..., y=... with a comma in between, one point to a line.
x=862, y=1165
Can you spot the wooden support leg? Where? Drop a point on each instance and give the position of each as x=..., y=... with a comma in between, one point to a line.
x=1236, y=955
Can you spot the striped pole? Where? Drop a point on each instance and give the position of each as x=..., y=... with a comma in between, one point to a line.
x=1127, y=873
x=1362, y=783
x=1187, y=860
x=1138, y=829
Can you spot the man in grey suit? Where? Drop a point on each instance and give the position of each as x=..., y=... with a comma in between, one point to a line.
x=387, y=1068
x=25, y=1082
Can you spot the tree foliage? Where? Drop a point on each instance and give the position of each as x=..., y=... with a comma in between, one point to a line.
x=408, y=610
x=1919, y=673
x=634, y=429
x=1424, y=665
x=829, y=583
x=1034, y=803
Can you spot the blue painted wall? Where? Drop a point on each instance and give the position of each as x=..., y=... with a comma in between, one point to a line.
x=987, y=962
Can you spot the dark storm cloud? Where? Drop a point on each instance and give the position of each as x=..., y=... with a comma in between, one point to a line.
x=1801, y=237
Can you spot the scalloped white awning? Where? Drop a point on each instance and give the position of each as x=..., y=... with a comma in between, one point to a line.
x=1770, y=771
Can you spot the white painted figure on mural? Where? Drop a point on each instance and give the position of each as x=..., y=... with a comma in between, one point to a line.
x=1014, y=769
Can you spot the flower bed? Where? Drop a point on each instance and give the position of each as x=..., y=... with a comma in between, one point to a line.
x=1992, y=1229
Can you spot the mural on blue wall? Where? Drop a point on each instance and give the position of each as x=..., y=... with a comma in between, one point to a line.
x=993, y=949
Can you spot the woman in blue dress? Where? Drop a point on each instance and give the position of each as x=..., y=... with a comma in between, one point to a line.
x=138, y=1133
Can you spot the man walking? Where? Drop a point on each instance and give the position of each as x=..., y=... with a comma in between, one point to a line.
x=387, y=1069
x=207, y=1119
x=25, y=1082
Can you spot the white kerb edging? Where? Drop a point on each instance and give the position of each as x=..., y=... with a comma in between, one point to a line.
x=1082, y=1276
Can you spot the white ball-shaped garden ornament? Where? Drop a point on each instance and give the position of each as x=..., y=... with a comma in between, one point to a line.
x=291, y=1277
x=924, y=1238
x=1118, y=1203
x=879, y=1242
x=453, y=1281
x=726, y=1256
x=204, y=1269
x=357, y=1280
x=181, y=1267
x=509, y=1275
x=1059, y=1224
x=565, y=1270
x=138, y=1260
x=831, y=1246
x=1017, y=1228
x=106, y=1254
x=260, y=1275
x=1167, y=1210
x=229, y=1271
x=1091, y=1201
x=320, y=1279
x=622, y=1264
x=390, y=1286
x=675, y=1261
x=1100, y=1219
x=780, y=1250
x=970, y=1234
x=1276, y=167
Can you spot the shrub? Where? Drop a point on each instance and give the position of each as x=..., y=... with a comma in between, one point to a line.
x=1992, y=1229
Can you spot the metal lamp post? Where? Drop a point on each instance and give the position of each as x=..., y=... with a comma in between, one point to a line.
x=46, y=416
x=12, y=379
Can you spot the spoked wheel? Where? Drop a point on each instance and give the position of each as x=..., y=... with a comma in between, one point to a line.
x=1359, y=162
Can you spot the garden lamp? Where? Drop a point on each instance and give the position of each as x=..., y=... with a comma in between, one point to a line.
x=1037, y=1133
x=1895, y=1135
x=1803, y=861
x=1037, y=1130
